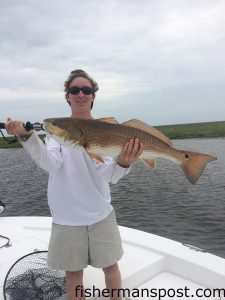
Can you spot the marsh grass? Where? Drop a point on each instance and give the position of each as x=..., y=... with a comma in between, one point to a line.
x=194, y=130
x=5, y=145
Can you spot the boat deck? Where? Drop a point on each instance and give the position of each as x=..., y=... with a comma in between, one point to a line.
x=152, y=266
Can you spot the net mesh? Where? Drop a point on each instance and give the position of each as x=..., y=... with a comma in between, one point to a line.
x=31, y=278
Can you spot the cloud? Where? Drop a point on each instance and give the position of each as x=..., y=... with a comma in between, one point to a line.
x=164, y=50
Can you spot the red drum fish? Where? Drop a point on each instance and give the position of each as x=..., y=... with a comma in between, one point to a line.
x=106, y=137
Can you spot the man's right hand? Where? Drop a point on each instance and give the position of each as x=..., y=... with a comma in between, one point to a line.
x=16, y=127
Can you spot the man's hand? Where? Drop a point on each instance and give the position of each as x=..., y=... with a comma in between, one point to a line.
x=130, y=153
x=17, y=128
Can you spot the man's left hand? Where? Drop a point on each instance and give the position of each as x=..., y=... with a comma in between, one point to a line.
x=130, y=153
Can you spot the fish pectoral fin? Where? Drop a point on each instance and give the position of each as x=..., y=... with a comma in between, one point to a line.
x=95, y=157
x=150, y=162
x=148, y=129
x=110, y=120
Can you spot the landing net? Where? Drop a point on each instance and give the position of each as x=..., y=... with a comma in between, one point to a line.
x=30, y=278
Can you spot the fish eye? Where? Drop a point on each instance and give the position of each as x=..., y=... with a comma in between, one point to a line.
x=186, y=155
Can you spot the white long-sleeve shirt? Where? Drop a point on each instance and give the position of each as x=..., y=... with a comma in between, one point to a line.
x=78, y=187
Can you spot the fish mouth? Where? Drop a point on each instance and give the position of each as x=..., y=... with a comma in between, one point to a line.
x=47, y=126
x=50, y=128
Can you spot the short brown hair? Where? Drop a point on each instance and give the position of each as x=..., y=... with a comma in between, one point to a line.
x=79, y=73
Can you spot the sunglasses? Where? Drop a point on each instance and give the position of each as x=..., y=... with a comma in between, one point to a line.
x=75, y=90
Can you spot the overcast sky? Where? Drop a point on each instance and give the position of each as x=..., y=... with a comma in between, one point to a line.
x=162, y=62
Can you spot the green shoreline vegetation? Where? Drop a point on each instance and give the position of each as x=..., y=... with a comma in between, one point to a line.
x=179, y=131
x=194, y=130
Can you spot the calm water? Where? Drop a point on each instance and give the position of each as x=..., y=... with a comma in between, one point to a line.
x=159, y=201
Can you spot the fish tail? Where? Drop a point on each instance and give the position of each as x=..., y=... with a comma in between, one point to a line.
x=194, y=164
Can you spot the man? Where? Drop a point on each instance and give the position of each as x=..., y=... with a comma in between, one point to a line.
x=84, y=229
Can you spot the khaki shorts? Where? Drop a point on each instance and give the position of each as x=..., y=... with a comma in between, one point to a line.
x=73, y=248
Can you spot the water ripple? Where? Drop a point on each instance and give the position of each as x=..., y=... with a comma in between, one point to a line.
x=159, y=201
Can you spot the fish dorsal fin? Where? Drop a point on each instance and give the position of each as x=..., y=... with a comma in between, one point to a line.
x=148, y=129
x=110, y=120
